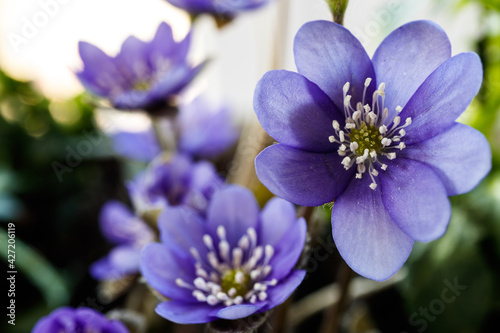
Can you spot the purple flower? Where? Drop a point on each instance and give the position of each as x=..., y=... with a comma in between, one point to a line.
x=204, y=132
x=143, y=75
x=377, y=136
x=232, y=264
x=222, y=7
x=174, y=180
x=67, y=319
x=129, y=233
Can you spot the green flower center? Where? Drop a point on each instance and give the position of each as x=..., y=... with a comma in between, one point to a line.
x=142, y=85
x=237, y=279
x=367, y=137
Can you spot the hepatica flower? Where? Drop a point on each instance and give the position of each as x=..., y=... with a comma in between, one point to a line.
x=236, y=262
x=144, y=75
x=129, y=233
x=222, y=7
x=174, y=180
x=69, y=320
x=377, y=136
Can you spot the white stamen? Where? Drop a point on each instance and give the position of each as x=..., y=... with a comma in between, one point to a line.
x=231, y=292
x=375, y=172
x=200, y=283
x=262, y=296
x=237, y=257
x=222, y=296
x=408, y=121
x=341, y=136
x=221, y=232
x=396, y=121
x=253, y=299
x=345, y=88
x=402, y=132
x=359, y=175
x=353, y=146
x=346, y=161
x=342, y=147
x=335, y=125
x=382, y=129
x=391, y=156
x=244, y=242
x=384, y=167
x=350, y=125
x=368, y=81
x=356, y=115
x=331, y=138
x=347, y=100
x=199, y=296
x=238, y=300
x=386, y=142
x=399, y=109
x=212, y=300
x=373, y=186
x=239, y=277
x=208, y=242
x=224, y=250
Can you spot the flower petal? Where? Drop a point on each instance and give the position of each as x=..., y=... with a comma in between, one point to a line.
x=460, y=156
x=443, y=96
x=367, y=238
x=161, y=266
x=235, y=208
x=99, y=74
x=186, y=313
x=284, y=289
x=294, y=111
x=142, y=146
x=133, y=60
x=304, y=178
x=329, y=55
x=288, y=250
x=240, y=311
x=277, y=217
x=416, y=199
x=120, y=226
x=121, y=261
x=181, y=229
x=407, y=57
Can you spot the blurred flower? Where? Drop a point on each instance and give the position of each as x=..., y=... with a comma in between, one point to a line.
x=121, y=227
x=394, y=153
x=143, y=75
x=174, y=180
x=232, y=264
x=204, y=132
x=221, y=7
x=67, y=319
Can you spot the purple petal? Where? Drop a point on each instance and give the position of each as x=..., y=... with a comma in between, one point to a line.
x=294, y=111
x=407, y=57
x=304, y=178
x=99, y=74
x=460, y=156
x=161, y=266
x=120, y=226
x=287, y=252
x=205, y=131
x=240, y=311
x=121, y=261
x=133, y=60
x=284, y=289
x=277, y=217
x=181, y=229
x=187, y=313
x=367, y=238
x=443, y=96
x=235, y=208
x=329, y=55
x=204, y=183
x=416, y=199
x=141, y=146
x=163, y=44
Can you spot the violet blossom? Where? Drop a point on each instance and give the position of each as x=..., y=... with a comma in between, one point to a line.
x=69, y=320
x=129, y=233
x=235, y=262
x=144, y=75
x=172, y=180
x=377, y=135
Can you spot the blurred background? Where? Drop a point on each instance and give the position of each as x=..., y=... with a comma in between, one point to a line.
x=44, y=114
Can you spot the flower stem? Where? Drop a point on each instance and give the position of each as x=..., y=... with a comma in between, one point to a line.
x=166, y=139
x=338, y=7
x=331, y=321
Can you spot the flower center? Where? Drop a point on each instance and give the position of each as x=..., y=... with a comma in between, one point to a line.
x=231, y=276
x=142, y=85
x=237, y=279
x=368, y=133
